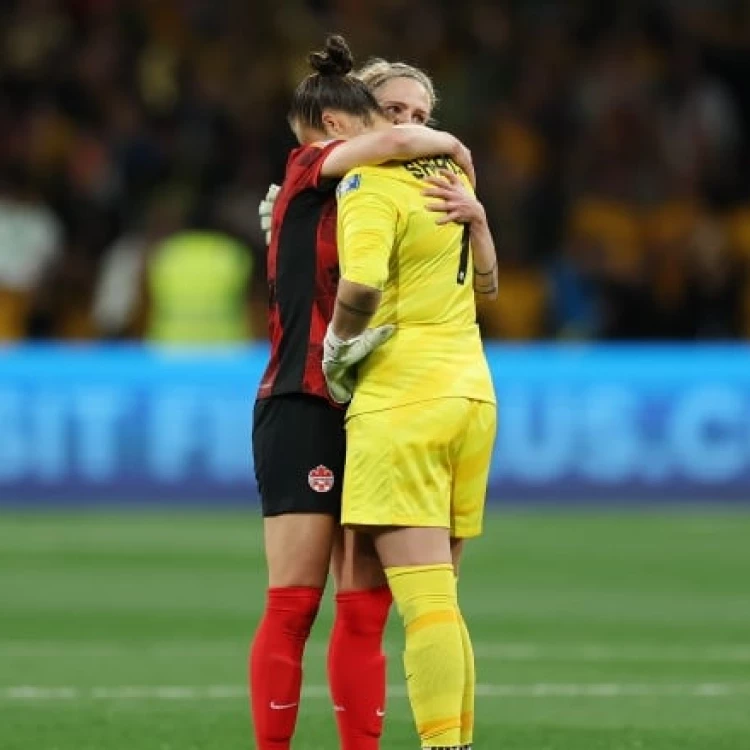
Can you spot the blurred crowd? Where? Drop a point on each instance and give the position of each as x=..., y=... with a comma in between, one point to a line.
x=612, y=142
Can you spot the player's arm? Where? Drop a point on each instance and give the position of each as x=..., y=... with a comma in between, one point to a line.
x=398, y=143
x=367, y=224
x=355, y=306
x=458, y=204
x=485, y=259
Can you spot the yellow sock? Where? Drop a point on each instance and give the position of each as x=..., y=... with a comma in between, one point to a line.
x=470, y=680
x=434, y=655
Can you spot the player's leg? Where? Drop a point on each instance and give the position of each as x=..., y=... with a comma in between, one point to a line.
x=398, y=486
x=296, y=583
x=298, y=450
x=420, y=573
x=472, y=465
x=356, y=662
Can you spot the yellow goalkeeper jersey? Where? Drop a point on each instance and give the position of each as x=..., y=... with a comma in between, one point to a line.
x=388, y=240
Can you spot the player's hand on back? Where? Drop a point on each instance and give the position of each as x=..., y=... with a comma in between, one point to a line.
x=454, y=202
x=265, y=210
x=340, y=358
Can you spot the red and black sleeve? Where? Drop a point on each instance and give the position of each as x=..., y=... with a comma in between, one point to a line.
x=305, y=164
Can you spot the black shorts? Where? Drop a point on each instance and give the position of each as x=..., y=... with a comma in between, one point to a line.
x=299, y=449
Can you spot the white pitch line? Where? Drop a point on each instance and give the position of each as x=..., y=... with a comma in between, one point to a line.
x=35, y=693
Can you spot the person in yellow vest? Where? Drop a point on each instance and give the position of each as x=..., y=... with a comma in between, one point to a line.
x=197, y=288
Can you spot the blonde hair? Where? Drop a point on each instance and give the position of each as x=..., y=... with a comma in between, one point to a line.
x=377, y=72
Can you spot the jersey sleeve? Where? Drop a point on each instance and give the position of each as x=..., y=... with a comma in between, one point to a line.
x=367, y=228
x=306, y=162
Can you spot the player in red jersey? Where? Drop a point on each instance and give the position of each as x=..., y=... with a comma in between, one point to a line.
x=298, y=435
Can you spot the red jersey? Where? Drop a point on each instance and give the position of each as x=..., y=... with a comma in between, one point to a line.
x=303, y=274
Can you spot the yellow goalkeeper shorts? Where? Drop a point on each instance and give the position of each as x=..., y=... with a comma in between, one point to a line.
x=423, y=464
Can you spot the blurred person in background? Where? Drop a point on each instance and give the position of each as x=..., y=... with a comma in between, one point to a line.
x=715, y=285
x=197, y=284
x=120, y=294
x=574, y=300
x=699, y=124
x=737, y=228
x=31, y=244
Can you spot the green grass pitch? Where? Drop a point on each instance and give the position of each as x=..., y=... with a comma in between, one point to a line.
x=593, y=631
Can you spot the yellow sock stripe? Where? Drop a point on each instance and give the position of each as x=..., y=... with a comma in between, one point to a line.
x=431, y=618
x=431, y=728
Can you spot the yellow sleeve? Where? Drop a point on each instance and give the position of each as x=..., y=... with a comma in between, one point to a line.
x=367, y=227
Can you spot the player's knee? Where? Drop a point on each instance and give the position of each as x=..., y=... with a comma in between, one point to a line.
x=369, y=576
x=360, y=579
x=298, y=549
x=294, y=609
x=298, y=573
x=363, y=613
x=356, y=566
x=425, y=595
x=362, y=573
x=414, y=546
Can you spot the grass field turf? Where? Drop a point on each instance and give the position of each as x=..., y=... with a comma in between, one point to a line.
x=605, y=631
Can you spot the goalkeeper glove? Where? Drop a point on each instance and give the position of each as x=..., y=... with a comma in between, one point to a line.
x=340, y=358
x=265, y=210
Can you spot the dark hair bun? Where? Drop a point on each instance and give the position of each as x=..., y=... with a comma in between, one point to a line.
x=335, y=60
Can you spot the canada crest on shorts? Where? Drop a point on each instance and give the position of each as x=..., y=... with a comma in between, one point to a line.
x=320, y=479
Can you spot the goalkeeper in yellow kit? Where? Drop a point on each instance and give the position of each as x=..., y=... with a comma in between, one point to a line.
x=422, y=418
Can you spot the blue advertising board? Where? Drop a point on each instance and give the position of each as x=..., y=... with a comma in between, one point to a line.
x=577, y=424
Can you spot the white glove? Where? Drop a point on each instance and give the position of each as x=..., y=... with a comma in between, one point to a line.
x=265, y=209
x=340, y=358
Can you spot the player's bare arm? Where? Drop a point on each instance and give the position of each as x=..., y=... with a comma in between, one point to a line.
x=456, y=203
x=398, y=143
x=355, y=306
x=483, y=249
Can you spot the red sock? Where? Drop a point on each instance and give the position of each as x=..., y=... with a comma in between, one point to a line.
x=276, y=663
x=356, y=666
